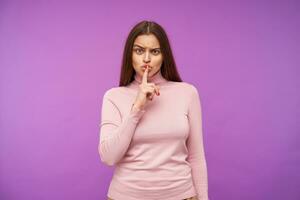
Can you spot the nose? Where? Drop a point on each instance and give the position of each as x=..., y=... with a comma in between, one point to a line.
x=147, y=57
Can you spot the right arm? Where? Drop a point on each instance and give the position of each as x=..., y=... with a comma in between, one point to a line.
x=116, y=132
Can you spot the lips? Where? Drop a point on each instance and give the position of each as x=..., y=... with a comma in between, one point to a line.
x=144, y=67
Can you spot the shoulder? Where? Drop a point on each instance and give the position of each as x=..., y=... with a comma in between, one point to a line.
x=114, y=92
x=192, y=93
x=189, y=91
x=189, y=88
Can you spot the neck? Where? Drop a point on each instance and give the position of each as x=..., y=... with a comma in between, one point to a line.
x=156, y=78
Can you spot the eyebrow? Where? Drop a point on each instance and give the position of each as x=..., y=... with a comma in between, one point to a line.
x=144, y=48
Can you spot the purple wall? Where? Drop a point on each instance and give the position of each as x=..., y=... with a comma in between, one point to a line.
x=57, y=59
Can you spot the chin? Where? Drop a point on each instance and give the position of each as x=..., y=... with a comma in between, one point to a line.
x=142, y=73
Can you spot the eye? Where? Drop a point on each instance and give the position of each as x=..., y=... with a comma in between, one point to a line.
x=138, y=51
x=156, y=51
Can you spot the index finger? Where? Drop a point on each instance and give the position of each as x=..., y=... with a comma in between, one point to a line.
x=145, y=75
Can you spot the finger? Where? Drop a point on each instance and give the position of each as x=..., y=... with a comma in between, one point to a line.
x=145, y=75
x=151, y=96
x=150, y=93
x=156, y=88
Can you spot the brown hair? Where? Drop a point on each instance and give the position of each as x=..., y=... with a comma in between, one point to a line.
x=168, y=67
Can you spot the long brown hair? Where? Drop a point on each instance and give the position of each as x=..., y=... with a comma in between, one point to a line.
x=168, y=67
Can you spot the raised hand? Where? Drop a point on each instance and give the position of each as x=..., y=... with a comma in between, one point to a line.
x=147, y=91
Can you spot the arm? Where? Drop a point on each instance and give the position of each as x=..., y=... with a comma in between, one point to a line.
x=195, y=147
x=116, y=133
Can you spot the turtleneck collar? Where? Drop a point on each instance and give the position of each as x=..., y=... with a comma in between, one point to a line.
x=156, y=78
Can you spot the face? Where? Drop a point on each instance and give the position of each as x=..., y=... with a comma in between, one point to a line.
x=146, y=51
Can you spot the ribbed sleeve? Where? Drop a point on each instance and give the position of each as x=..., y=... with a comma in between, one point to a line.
x=116, y=131
x=196, y=156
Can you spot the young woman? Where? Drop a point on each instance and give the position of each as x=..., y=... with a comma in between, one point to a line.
x=151, y=125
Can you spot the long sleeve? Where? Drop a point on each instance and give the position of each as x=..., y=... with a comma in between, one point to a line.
x=195, y=147
x=116, y=131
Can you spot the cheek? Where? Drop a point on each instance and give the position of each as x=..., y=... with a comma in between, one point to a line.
x=133, y=58
x=158, y=60
x=137, y=58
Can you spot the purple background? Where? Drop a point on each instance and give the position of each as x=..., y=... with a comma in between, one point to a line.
x=57, y=60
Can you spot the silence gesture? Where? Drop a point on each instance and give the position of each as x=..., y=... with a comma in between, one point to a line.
x=146, y=92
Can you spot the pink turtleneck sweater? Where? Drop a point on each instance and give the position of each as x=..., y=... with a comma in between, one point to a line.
x=158, y=151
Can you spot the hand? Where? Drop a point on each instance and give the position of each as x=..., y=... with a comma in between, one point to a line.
x=147, y=91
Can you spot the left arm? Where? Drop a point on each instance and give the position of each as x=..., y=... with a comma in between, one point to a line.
x=195, y=147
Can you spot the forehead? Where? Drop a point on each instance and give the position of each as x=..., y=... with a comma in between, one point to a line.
x=147, y=41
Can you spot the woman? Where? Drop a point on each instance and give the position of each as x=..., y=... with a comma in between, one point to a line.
x=151, y=126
